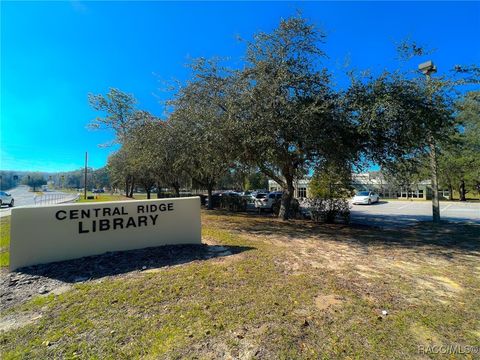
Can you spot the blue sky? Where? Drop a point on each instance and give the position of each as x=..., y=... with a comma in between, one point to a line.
x=54, y=53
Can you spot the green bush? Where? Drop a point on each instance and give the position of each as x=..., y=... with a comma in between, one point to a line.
x=327, y=210
x=294, y=208
x=330, y=188
x=331, y=182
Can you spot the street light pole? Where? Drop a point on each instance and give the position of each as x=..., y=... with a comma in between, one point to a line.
x=428, y=68
x=434, y=171
x=85, y=187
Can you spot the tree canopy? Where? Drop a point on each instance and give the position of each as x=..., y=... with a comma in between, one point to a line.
x=281, y=115
x=34, y=180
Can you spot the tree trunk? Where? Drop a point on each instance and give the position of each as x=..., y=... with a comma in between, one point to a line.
x=148, y=193
x=244, y=183
x=131, y=187
x=462, y=191
x=210, y=198
x=159, y=191
x=176, y=187
x=286, y=204
x=450, y=192
x=127, y=187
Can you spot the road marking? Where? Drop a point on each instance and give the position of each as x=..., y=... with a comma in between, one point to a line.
x=446, y=207
x=403, y=207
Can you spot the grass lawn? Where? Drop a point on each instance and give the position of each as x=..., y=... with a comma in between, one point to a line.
x=101, y=197
x=297, y=291
x=4, y=240
x=110, y=197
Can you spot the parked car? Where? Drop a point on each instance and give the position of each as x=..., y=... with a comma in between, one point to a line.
x=233, y=201
x=246, y=193
x=250, y=197
x=215, y=200
x=260, y=195
x=366, y=197
x=6, y=198
x=203, y=199
x=267, y=200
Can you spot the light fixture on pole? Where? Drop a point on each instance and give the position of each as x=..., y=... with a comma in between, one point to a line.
x=427, y=68
x=85, y=174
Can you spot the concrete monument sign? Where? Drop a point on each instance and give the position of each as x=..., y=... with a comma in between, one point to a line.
x=44, y=234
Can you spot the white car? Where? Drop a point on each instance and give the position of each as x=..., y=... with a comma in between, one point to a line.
x=266, y=201
x=366, y=197
x=6, y=198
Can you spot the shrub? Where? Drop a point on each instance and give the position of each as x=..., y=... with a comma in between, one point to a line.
x=294, y=208
x=331, y=181
x=233, y=203
x=327, y=210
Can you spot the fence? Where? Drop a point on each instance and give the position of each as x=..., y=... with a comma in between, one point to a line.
x=48, y=199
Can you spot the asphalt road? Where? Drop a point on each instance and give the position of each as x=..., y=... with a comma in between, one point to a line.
x=406, y=213
x=23, y=197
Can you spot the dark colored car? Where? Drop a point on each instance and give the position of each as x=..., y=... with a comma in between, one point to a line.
x=203, y=199
x=216, y=198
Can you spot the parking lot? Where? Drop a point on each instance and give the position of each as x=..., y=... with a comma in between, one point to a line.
x=406, y=213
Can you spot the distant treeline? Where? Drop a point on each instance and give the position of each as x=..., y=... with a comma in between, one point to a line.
x=69, y=179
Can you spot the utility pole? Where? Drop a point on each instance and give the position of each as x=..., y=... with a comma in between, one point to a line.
x=428, y=68
x=85, y=185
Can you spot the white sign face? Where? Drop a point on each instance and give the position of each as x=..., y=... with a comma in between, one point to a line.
x=44, y=234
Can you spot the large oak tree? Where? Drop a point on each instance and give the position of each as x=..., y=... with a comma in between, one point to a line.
x=287, y=116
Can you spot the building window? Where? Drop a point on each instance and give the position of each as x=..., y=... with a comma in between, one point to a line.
x=444, y=193
x=302, y=192
x=420, y=194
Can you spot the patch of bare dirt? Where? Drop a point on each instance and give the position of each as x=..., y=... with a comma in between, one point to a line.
x=425, y=335
x=15, y=321
x=18, y=287
x=448, y=284
x=367, y=271
x=241, y=344
x=324, y=302
x=435, y=290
